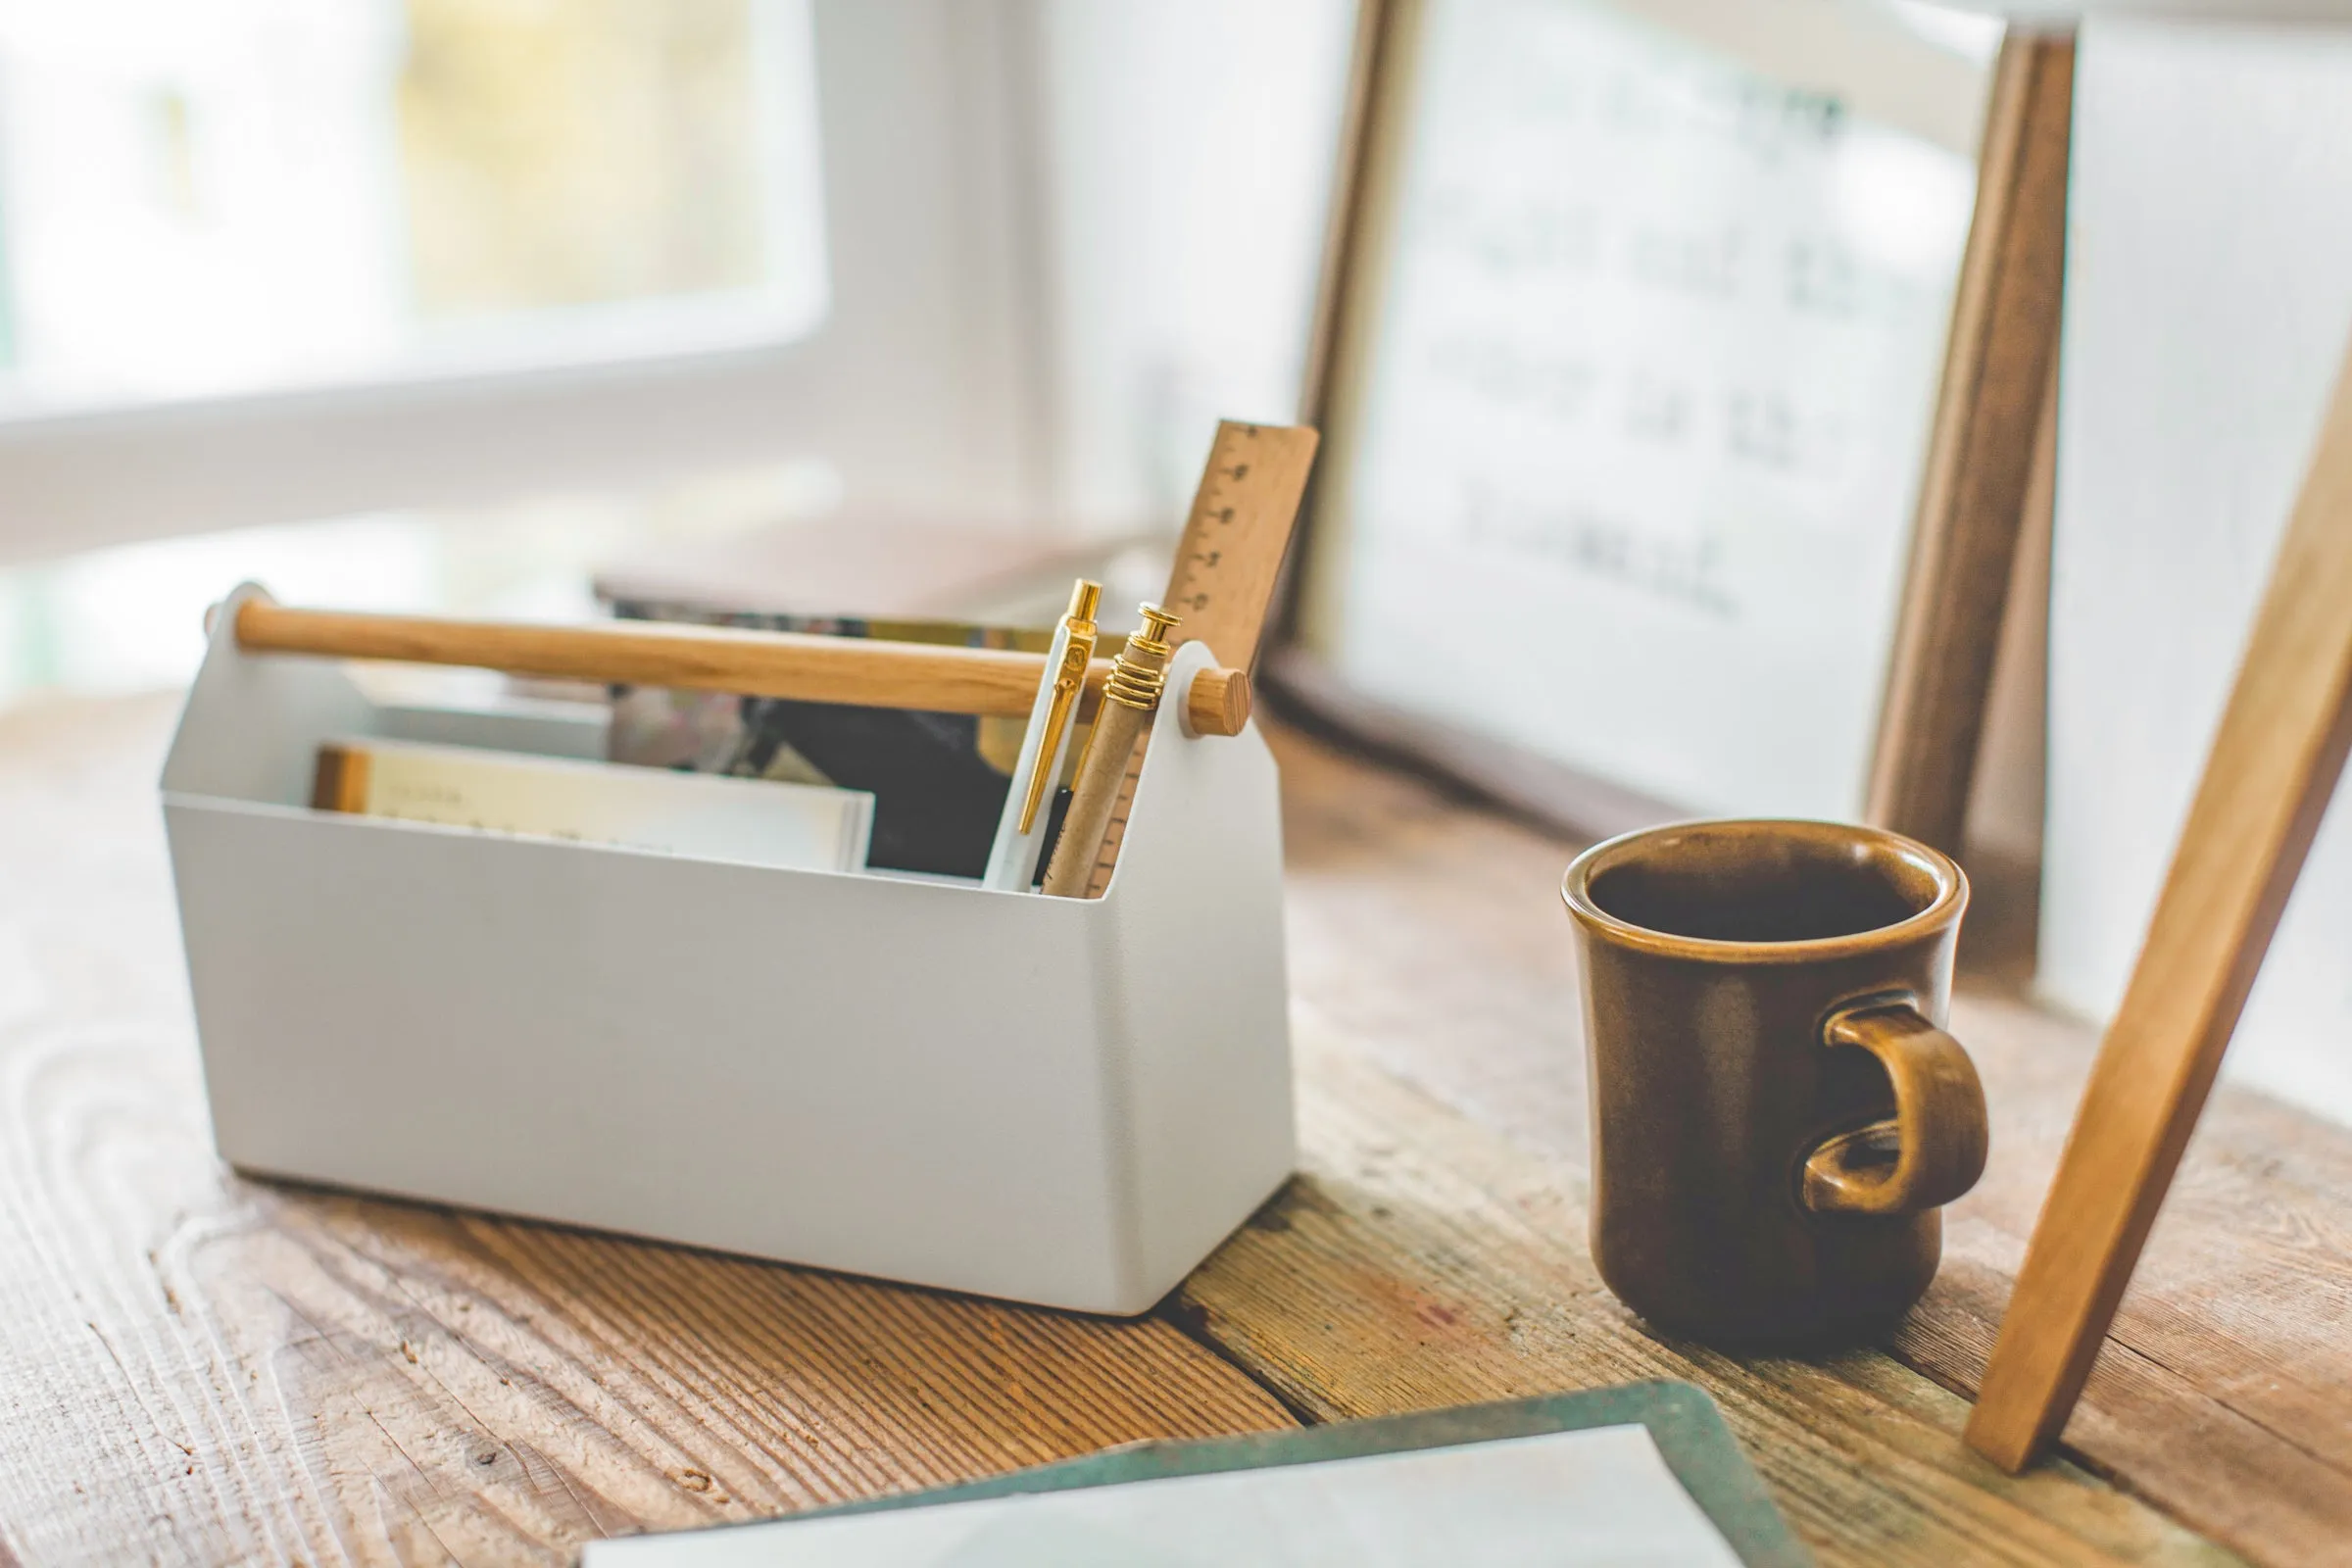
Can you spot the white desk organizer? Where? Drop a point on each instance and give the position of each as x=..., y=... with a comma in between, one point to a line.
x=1060, y=1100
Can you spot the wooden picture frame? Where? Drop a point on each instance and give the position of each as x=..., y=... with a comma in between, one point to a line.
x=1997, y=378
x=2272, y=770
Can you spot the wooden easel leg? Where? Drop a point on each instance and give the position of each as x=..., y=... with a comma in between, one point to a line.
x=1996, y=376
x=2268, y=780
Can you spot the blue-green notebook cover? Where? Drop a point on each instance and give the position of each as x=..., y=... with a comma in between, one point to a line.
x=1683, y=1422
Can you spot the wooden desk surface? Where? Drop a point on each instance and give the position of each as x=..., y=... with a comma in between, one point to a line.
x=195, y=1367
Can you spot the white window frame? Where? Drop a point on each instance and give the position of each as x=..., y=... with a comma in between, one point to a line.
x=924, y=387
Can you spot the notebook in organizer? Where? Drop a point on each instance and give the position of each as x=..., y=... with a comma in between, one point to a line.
x=1681, y=1424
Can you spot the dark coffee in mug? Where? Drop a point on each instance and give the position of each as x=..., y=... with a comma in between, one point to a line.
x=1777, y=1111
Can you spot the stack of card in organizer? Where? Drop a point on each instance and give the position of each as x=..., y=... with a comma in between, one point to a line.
x=801, y=827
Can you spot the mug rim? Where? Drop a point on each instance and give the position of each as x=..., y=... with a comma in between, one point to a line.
x=1951, y=894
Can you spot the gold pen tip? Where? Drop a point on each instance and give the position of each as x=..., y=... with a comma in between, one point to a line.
x=1085, y=597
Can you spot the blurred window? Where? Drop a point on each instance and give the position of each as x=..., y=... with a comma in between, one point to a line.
x=271, y=261
x=200, y=197
x=436, y=304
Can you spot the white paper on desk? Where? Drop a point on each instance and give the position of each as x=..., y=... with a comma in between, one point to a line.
x=1599, y=1495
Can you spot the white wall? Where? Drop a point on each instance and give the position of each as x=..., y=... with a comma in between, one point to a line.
x=1189, y=147
x=2209, y=298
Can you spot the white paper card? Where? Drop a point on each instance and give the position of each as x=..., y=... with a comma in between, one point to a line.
x=1561, y=1499
x=749, y=821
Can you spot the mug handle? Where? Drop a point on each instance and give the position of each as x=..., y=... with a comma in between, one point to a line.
x=1938, y=1128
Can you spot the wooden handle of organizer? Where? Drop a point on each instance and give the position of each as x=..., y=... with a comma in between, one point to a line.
x=993, y=682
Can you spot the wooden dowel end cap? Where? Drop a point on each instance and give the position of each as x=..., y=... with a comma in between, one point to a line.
x=1219, y=702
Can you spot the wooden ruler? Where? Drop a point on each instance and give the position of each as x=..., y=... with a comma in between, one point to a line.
x=1226, y=567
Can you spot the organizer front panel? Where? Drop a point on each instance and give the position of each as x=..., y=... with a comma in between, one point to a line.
x=790, y=1064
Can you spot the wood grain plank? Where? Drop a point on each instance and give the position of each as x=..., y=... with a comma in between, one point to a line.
x=1428, y=933
x=1421, y=1261
x=194, y=1368
x=2268, y=777
x=198, y=1368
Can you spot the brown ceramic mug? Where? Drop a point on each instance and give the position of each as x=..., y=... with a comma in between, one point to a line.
x=1777, y=1111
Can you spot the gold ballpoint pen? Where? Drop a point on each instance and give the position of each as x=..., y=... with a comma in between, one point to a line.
x=1069, y=680
x=1012, y=859
x=1130, y=699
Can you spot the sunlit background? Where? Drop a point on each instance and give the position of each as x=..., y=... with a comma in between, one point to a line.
x=329, y=295
x=240, y=195
x=252, y=210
